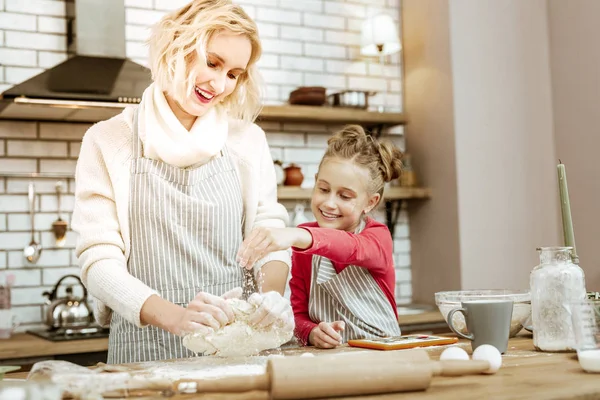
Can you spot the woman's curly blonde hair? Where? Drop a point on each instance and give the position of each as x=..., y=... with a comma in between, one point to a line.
x=182, y=35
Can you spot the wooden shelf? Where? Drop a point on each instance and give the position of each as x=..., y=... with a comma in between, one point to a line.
x=393, y=193
x=329, y=115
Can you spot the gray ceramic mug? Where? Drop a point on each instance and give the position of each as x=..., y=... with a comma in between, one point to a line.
x=488, y=322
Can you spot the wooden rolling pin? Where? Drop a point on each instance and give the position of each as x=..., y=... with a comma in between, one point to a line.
x=340, y=374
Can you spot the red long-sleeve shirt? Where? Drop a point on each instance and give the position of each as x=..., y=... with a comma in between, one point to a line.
x=372, y=248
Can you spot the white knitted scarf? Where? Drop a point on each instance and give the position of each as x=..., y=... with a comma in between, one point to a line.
x=166, y=139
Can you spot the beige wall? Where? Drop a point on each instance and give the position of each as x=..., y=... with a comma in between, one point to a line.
x=575, y=64
x=478, y=97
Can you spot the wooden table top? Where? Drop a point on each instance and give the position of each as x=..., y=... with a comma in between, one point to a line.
x=24, y=345
x=525, y=374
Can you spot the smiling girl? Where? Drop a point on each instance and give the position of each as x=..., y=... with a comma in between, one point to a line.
x=343, y=275
x=167, y=191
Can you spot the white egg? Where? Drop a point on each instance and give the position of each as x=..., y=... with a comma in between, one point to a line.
x=454, y=353
x=307, y=355
x=489, y=353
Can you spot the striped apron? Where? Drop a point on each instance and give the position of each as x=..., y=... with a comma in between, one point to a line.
x=352, y=296
x=186, y=228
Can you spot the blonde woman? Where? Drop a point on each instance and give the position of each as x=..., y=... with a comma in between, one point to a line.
x=166, y=192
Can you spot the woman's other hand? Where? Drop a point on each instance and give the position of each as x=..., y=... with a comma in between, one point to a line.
x=273, y=311
x=205, y=313
x=326, y=335
x=264, y=240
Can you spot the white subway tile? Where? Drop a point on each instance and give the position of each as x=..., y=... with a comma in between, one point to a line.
x=17, y=22
x=136, y=16
x=2, y=228
x=266, y=29
x=323, y=21
x=13, y=203
x=27, y=277
x=302, y=63
x=394, y=130
x=48, y=203
x=48, y=59
x=317, y=140
x=257, y=2
x=14, y=241
x=401, y=245
x=405, y=290
x=304, y=155
x=3, y=259
x=301, y=33
x=392, y=102
x=268, y=61
x=37, y=7
x=58, y=166
x=345, y=9
x=48, y=258
x=17, y=57
x=278, y=16
x=250, y=10
x=379, y=3
x=301, y=127
x=330, y=81
x=36, y=41
x=304, y=5
x=50, y=241
x=136, y=33
x=286, y=139
x=393, y=3
x=28, y=314
x=31, y=148
x=401, y=231
x=1, y=5
x=18, y=165
x=58, y=130
x=276, y=153
x=395, y=85
x=22, y=221
x=277, y=46
x=365, y=83
x=271, y=92
x=136, y=49
x=74, y=149
x=169, y=5
x=346, y=67
x=286, y=90
x=1, y=40
x=53, y=275
x=274, y=76
x=52, y=24
x=403, y=275
x=21, y=186
x=390, y=71
x=324, y=50
x=141, y=61
x=4, y=86
x=345, y=38
x=19, y=74
x=354, y=24
x=139, y=3
x=28, y=296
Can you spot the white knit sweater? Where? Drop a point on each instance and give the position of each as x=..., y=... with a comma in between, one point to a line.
x=101, y=212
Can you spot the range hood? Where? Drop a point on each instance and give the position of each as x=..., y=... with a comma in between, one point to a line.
x=96, y=83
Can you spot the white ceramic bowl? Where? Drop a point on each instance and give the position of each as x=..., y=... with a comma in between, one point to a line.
x=446, y=301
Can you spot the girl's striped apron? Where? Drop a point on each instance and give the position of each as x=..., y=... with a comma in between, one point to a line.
x=352, y=296
x=186, y=228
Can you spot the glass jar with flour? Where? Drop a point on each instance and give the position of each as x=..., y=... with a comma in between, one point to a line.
x=555, y=284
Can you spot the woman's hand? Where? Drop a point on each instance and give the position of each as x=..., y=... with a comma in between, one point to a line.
x=326, y=336
x=205, y=313
x=264, y=240
x=273, y=310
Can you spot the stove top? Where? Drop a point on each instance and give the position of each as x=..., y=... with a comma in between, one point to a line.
x=60, y=335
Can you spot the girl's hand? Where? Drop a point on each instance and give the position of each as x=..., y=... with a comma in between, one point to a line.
x=326, y=336
x=205, y=313
x=264, y=240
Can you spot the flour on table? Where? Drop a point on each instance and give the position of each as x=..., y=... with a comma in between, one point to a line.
x=237, y=339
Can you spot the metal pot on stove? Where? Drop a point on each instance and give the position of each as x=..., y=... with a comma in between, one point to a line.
x=68, y=312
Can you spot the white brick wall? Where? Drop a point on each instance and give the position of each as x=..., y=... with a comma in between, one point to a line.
x=307, y=42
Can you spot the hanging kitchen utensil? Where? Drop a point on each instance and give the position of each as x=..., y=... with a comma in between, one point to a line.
x=59, y=227
x=33, y=251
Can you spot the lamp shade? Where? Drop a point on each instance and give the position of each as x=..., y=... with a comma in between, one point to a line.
x=379, y=36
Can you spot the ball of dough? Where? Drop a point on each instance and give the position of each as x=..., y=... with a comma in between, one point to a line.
x=454, y=353
x=307, y=355
x=489, y=353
